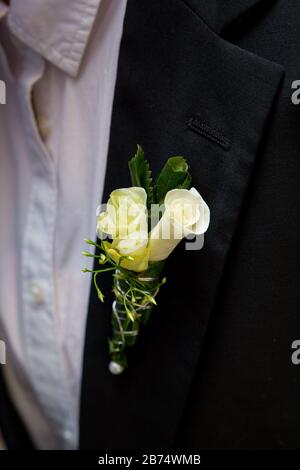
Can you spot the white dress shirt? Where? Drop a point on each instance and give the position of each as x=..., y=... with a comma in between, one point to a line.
x=58, y=59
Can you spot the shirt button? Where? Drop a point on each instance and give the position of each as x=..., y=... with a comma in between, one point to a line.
x=43, y=126
x=37, y=293
x=68, y=437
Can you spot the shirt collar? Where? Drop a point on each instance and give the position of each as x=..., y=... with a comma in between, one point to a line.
x=57, y=30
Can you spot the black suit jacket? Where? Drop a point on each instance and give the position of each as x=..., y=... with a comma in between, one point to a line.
x=213, y=367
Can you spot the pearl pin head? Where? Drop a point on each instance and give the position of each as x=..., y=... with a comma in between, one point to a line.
x=115, y=368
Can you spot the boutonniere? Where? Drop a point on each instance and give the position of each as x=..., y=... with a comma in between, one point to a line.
x=137, y=231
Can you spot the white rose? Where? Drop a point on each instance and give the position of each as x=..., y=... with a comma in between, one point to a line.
x=186, y=213
x=126, y=212
x=134, y=248
x=126, y=220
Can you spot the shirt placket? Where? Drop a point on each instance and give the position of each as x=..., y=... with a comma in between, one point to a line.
x=41, y=332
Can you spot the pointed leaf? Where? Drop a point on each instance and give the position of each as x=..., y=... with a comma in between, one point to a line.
x=174, y=175
x=141, y=174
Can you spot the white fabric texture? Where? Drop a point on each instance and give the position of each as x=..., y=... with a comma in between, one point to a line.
x=59, y=62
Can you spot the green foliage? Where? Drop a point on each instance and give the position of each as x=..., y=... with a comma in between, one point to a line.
x=174, y=175
x=141, y=174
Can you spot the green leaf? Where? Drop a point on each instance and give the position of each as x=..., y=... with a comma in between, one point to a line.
x=186, y=183
x=174, y=175
x=141, y=174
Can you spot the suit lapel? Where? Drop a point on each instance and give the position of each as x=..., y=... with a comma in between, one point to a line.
x=226, y=18
x=180, y=89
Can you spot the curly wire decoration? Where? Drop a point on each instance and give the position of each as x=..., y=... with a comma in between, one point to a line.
x=125, y=329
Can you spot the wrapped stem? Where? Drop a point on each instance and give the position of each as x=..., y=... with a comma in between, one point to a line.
x=134, y=299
